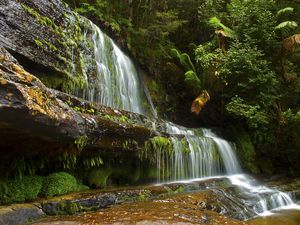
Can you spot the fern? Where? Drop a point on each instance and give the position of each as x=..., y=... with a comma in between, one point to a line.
x=216, y=23
x=175, y=54
x=192, y=80
x=186, y=62
x=287, y=10
x=182, y=58
x=286, y=27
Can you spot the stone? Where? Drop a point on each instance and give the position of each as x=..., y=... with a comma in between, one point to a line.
x=34, y=118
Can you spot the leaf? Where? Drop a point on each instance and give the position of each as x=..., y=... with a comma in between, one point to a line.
x=200, y=102
x=216, y=23
x=182, y=58
x=286, y=25
x=286, y=10
x=175, y=54
x=192, y=80
x=186, y=62
x=290, y=42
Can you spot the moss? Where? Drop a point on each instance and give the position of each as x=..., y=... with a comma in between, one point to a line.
x=20, y=190
x=38, y=43
x=43, y=20
x=245, y=148
x=97, y=178
x=69, y=207
x=60, y=183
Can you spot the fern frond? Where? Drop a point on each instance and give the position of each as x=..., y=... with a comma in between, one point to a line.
x=286, y=10
x=186, y=62
x=216, y=23
x=286, y=27
x=175, y=54
x=192, y=80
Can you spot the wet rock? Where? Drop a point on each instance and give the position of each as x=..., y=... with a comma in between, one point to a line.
x=36, y=118
x=19, y=214
x=71, y=207
x=45, y=35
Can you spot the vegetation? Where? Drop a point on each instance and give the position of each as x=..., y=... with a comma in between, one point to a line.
x=28, y=188
x=60, y=183
x=244, y=53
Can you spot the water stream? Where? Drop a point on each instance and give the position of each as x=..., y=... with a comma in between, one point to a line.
x=116, y=83
x=211, y=156
x=197, y=153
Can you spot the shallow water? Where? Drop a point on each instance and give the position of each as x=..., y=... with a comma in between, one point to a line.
x=178, y=210
x=283, y=217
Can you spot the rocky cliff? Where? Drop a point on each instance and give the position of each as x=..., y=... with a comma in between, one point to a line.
x=47, y=38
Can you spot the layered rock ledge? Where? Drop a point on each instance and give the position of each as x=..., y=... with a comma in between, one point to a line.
x=34, y=117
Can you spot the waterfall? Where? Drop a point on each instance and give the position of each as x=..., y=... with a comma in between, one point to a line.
x=200, y=153
x=116, y=82
x=197, y=153
x=211, y=156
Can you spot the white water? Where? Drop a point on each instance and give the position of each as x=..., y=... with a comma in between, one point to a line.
x=197, y=153
x=116, y=82
x=212, y=157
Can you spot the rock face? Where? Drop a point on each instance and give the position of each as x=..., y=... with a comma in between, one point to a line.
x=36, y=118
x=46, y=36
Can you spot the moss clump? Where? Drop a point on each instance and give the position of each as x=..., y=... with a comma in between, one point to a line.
x=69, y=207
x=60, y=183
x=20, y=190
x=98, y=177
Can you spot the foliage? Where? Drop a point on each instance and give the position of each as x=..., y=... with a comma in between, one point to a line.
x=156, y=146
x=254, y=116
x=60, y=183
x=284, y=11
x=216, y=23
x=286, y=27
x=20, y=190
x=81, y=142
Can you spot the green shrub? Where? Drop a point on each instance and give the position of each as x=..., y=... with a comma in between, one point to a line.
x=60, y=183
x=20, y=190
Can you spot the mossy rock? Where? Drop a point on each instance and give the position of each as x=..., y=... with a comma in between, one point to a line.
x=98, y=177
x=61, y=183
x=20, y=190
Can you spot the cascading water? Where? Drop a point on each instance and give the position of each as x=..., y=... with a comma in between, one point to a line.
x=116, y=82
x=210, y=156
x=197, y=153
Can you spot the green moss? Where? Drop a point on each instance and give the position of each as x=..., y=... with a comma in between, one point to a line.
x=38, y=43
x=245, y=148
x=60, y=183
x=20, y=190
x=69, y=207
x=97, y=177
x=43, y=20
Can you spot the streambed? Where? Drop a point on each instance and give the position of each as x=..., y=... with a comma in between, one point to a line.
x=207, y=201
